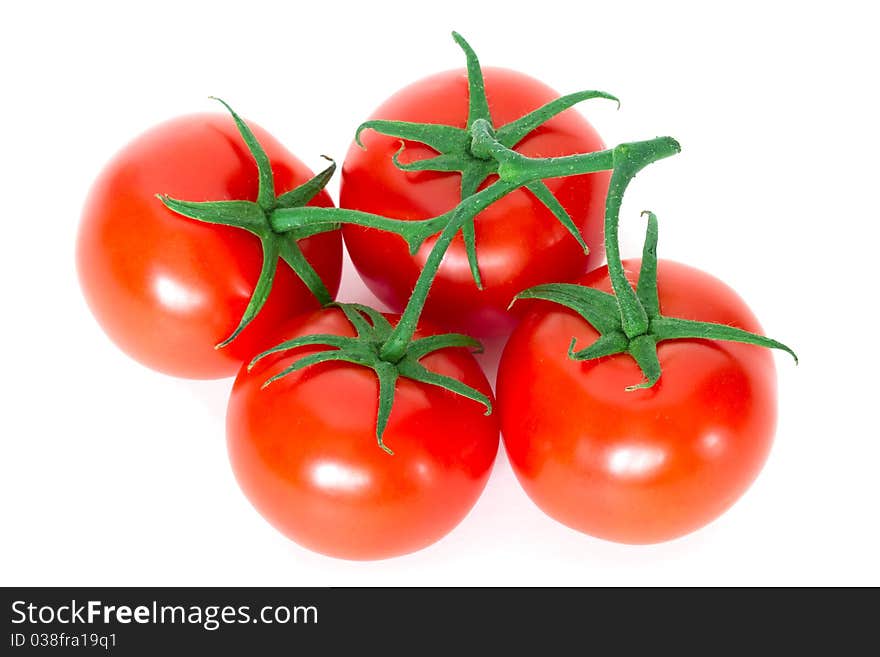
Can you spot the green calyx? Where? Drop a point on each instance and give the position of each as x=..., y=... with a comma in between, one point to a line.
x=373, y=331
x=629, y=321
x=257, y=218
x=479, y=150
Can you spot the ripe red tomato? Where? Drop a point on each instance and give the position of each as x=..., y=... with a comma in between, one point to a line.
x=647, y=465
x=304, y=449
x=167, y=288
x=519, y=242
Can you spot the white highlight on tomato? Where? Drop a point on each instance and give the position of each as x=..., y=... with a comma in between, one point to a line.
x=637, y=461
x=175, y=296
x=333, y=476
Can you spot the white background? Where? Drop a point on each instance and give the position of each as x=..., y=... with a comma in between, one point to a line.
x=111, y=474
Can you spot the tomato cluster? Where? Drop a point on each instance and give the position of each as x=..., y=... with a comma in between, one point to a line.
x=636, y=401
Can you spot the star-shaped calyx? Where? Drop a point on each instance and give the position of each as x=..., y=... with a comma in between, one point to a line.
x=459, y=149
x=365, y=349
x=629, y=321
x=256, y=218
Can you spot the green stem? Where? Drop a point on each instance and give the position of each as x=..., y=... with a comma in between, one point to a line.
x=395, y=347
x=414, y=233
x=520, y=167
x=633, y=315
x=515, y=171
x=484, y=144
x=629, y=159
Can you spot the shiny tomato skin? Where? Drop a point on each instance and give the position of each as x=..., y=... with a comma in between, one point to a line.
x=643, y=466
x=166, y=288
x=304, y=450
x=519, y=242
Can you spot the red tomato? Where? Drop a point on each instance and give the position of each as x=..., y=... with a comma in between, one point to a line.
x=519, y=242
x=648, y=465
x=304, y=449
x=167, y=288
